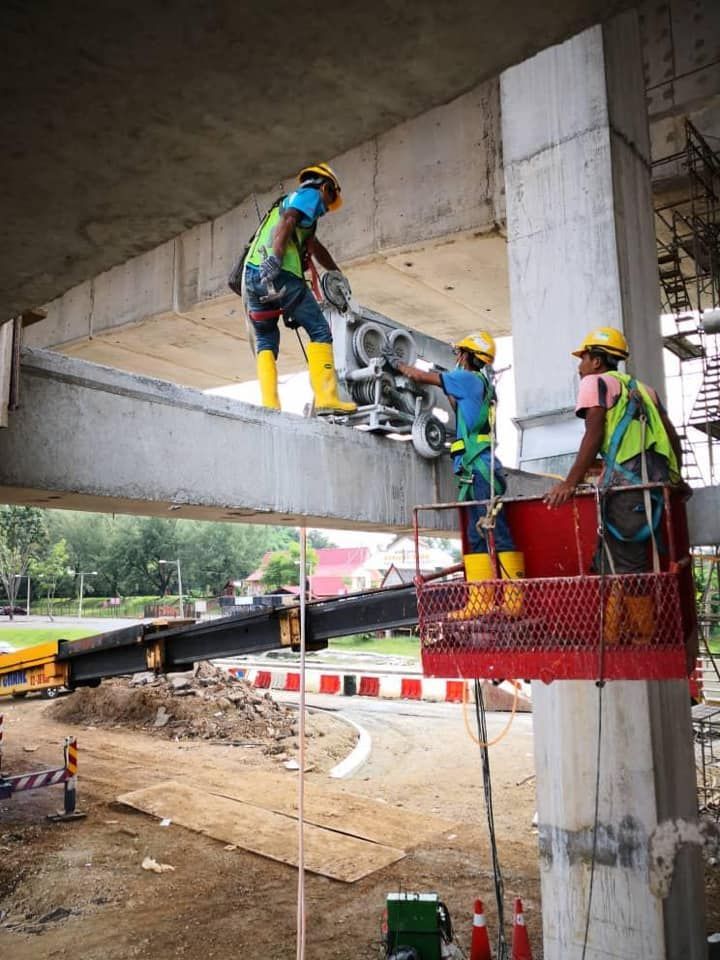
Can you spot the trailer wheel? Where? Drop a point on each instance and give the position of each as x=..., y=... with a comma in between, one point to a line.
x=428, y=436
x=50, y=693
x=20, y=696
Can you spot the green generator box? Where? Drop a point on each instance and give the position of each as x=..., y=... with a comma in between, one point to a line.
x=414, y=920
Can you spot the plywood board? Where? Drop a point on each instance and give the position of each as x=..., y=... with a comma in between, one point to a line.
x=260, y=831
x=343, y=812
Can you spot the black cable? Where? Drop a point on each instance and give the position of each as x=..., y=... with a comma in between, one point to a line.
x=602, y=546
x=481, y=719
x=302, y=345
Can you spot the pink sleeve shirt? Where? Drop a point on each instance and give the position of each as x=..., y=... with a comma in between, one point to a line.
x=599, y=390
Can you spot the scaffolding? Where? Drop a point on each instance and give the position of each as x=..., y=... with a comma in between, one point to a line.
x=687, y=223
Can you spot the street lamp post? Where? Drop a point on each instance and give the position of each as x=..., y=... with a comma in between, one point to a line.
x=82, y=574
x=180, y=590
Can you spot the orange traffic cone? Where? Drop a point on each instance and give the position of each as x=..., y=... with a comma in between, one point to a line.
x=520, y=942
x=480, y=945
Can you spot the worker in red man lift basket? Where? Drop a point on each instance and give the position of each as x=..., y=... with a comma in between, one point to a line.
x=471, y=392
x=627, y=425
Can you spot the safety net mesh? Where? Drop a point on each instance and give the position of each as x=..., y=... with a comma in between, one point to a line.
x=619, y=627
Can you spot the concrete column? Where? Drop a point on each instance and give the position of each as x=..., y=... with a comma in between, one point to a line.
x=581, y=254
x=579, y=220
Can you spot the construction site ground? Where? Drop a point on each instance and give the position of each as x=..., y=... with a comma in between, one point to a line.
x=79, y=888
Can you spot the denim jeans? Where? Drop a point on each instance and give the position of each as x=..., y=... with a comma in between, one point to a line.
x=476, y=541
x=298, y=304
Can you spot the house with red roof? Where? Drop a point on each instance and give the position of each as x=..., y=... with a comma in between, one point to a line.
x=339, y=570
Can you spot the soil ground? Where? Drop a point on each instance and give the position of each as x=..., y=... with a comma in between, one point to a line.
x=79, y=889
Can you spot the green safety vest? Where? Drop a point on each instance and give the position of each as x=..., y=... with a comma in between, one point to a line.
x=473, y=442
x=261, y=244
x=623, y=437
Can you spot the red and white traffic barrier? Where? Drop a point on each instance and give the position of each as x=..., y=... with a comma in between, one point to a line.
x=67, y=775
x=389, y=686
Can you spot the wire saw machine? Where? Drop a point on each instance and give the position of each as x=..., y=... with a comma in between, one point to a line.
x=387, y=401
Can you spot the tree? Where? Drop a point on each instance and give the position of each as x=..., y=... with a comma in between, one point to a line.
x=319, y=539
x=23, y=535
x=50, y=570
x=283, y=567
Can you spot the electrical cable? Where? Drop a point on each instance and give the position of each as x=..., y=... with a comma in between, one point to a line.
x=481, y=718
x=302, y=345
x=603, y=547
x=506, y=729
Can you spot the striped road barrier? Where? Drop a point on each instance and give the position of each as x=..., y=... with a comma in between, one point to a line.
x=386, y=686
x=67, y=775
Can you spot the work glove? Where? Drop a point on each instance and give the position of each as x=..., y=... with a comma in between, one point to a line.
x=391, y=358
x=270, y=269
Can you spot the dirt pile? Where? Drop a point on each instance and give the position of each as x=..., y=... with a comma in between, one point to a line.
x=207, y=704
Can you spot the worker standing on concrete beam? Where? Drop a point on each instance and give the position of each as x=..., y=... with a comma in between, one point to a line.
x=626, y=424
x=275, y=286
x=479, y=473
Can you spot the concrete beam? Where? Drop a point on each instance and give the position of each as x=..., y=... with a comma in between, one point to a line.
x=88, y=437
x=168, y=118
x=418, y=236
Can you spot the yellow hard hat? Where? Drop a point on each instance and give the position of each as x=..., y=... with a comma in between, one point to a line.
x=322, y=171
x=607, y=339
x=480, y=344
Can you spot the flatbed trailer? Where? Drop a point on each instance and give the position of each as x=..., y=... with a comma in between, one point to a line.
x=163, y=646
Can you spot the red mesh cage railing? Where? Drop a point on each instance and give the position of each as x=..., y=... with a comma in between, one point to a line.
x=551, y=629
x=562, y=622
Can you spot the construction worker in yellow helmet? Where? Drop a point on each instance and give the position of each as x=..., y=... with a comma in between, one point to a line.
x=275, y=285
x=627, y=425
x=471, y=392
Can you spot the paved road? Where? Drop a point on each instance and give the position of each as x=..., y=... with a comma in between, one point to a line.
x=93, y=624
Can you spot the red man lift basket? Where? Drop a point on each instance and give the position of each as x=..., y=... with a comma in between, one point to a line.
x=562, y=622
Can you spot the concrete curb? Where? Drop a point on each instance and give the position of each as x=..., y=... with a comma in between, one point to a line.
x=386, y=686
x=358, y=756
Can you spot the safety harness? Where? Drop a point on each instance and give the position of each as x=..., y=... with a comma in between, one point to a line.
x=236, y=280
x=635, y=410
x=471, y=445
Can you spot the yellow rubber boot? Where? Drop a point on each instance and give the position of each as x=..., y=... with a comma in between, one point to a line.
x=614, y=614
x=268, y=378
x=323, y=380
x=512, y=567
x=641, y=619
x=478, y=567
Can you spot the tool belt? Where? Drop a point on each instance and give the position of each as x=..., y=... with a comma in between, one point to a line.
x=458, y=446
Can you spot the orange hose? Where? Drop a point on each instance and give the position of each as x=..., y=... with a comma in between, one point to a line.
x=503, y=732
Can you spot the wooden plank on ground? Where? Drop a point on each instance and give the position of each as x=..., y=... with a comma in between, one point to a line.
x=343, y=812
x=260, y=831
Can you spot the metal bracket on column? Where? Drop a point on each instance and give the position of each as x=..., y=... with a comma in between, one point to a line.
x=549, y=440
x=10, y=348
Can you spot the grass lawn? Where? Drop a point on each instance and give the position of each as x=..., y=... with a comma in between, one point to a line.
x=21, y=637
x=361, y=643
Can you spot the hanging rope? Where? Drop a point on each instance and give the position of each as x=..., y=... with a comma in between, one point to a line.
x=300, y=936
